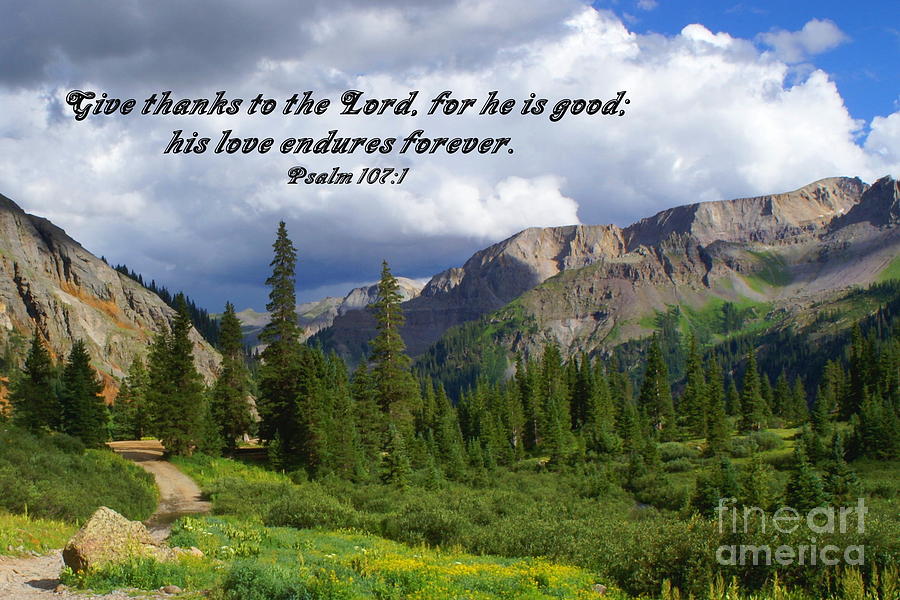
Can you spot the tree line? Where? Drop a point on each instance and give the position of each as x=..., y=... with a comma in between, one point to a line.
x=382, y=421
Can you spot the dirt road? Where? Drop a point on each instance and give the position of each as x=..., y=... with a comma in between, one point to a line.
x=178, y=494
x=33, y=578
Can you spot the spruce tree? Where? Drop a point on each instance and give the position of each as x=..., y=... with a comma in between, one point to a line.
x=799, y=407
x=753, y=404
x=717, y=429
x=397, y=390
x=782, y=397
x=733, y=400
x=229, y=398
x=756, y=480
x=841, y=483
x=804, y=488
x=84, y=413
x=129, y=412
x=369, y=418
x=694, y=400
x=656, y=396
x=176, y=393
x=395, y=464
x=280, y=370
x=33, y=400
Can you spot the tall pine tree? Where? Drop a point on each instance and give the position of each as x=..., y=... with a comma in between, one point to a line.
x=33, y=399
x=280, y=371
x=230, y=403
x=176, y=395
x=397, y=390
x=84, y=413
x=753, y=405
x=656, y=396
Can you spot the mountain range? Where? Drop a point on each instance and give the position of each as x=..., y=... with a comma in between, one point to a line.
x=777, y=260
x=587, y=287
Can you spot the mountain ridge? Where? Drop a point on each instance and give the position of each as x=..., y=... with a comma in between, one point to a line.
x=49, y=281
x=681, y=251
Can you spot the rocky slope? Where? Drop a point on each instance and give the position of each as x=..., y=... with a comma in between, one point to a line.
x=48, y=281
x=786, y=272
x=602, y=279
x=316, y=316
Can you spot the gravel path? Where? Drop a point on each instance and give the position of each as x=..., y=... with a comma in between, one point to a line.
x=28, y=578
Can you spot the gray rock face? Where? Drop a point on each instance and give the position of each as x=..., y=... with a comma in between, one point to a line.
x=48, y=281
x=362, y=297
x=649, y=250
x=108, y=537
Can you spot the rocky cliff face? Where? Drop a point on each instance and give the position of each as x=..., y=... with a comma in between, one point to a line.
x=586, y=284
x=48, y=281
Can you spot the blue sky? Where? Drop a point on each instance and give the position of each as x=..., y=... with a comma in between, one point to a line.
x=866, y=67
x=728, y=100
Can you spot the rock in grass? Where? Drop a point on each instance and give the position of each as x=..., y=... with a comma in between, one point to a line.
x=108, y=537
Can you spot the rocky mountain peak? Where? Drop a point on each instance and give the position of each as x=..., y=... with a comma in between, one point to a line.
x=759, y=219
x=879, y=206
x=49, y=281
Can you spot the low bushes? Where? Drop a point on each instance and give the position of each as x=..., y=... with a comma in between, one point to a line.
x=52, y=476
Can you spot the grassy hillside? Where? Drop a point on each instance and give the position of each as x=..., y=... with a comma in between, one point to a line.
x=276, y=536
x=53, y=477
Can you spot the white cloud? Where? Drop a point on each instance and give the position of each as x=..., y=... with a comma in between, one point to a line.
x=711, y=117
x=816, y=37
x=647, y=4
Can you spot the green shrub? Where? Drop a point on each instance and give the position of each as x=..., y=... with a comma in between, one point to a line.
x=54, y=477
x=679, y=465
x=742, y=447
x=767, y=440
x=670, y=451
x=254, y=581
x=431, y=523
x=309, y=506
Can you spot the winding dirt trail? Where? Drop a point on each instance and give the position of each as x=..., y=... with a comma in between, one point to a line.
x=179, y=495
x=32, y=578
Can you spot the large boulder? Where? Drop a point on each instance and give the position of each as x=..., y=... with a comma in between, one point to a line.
x=108, y=537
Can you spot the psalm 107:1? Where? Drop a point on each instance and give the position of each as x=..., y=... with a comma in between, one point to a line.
x=337, y=176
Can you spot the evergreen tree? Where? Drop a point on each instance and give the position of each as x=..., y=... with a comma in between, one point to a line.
x=876, y=430
x=130, y=420
x=230, y=394
x=782, y=397
x=84, y=413
x=395, y=465
x=717, y=429
x=176, y=394
x=448, y=437
x=733, y=400
x=719, y=482
x=280, y=371
x=694, y=401
x=820, y=414
x=631, y=427
x=757, y=482
x=369, y=420
x=840, y=482
x=753, y=405
x=804, y=489
x=33, y=400
x=656, y=397
x=397, y=390
x=799, y=408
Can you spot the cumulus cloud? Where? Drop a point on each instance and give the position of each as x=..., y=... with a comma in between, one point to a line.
x=711, y=117
x=816, y=37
